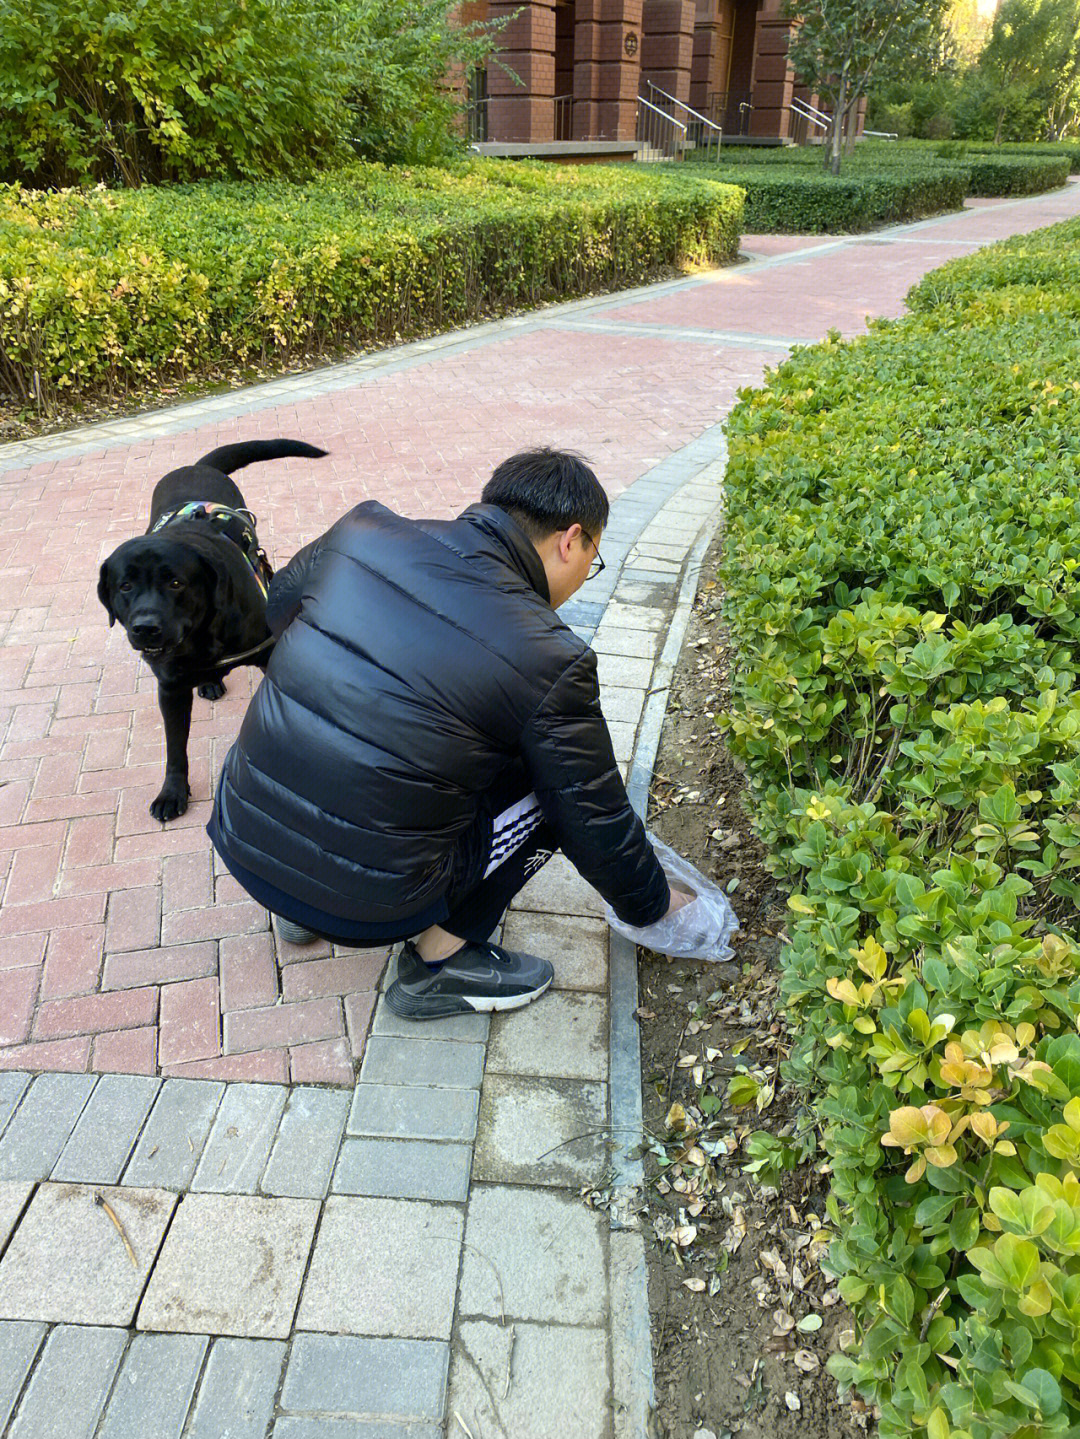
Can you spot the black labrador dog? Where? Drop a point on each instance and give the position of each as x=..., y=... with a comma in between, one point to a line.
x=191, y=593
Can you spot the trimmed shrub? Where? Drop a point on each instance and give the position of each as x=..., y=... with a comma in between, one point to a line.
x=796, y=198
x=901, y=573
x=1016, y=174
x=101, y=291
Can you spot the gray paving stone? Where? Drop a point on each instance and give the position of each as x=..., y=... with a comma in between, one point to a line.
x=236, y=1396
x=13, y=1085
x=576, y=946
x=343, y=1374
x=390, y=1111
x=42, y=1123
x=68, y=1388
x=403, y=1169
x=428, y=1062
x=13, y=1196
x=541, y=1131
x=635, y=618
x=612, y=639
x=559, y=889
x=154, y=1388
x=231, y=1264
x=302, y=1159
x=471, y=1028
x=19, y=1342
x=67, y=1262
x=621, y=705
x=622, y=741
x=240, y=1138
x=561, y=1035
x=107, y=1129
x=290, y=1427
x=533, y=1254
x=173, y=1138
x=618, y=671
x=384, y=1267
x=558, y=1381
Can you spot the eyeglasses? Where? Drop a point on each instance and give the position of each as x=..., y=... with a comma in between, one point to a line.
x=597, y=564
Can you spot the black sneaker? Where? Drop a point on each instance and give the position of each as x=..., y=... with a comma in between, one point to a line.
x=478, y=977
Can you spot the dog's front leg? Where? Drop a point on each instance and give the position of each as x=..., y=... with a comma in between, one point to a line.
x=175, y=704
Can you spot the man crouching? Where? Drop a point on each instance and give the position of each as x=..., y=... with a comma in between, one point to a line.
x=428, y=732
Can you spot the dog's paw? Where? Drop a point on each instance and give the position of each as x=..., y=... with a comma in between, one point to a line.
x=212, y=690
x=171, y=802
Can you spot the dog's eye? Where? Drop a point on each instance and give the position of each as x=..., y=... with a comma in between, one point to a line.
x=176, y=584
x=125, y=587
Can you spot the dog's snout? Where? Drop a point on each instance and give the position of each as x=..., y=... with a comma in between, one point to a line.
x=146, y=632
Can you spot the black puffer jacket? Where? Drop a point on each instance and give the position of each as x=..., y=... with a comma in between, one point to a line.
x=418, y=659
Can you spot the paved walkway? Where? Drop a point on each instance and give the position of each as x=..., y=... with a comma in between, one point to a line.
x=382, y=1236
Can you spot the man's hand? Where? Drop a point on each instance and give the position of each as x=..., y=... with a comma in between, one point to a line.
x=679, y=897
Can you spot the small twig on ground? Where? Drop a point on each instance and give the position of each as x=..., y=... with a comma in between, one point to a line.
x=675, y=1061
x=111, y=1212
x=510, y=1360
x=468, y=1431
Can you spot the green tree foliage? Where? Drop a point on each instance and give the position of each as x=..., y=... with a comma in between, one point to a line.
x=1034, y=53
x=403, y=54
x=839, y=46
x=90, y=91
x=154, y=91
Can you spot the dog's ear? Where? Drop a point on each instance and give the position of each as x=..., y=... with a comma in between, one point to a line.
x=221, y=605
x=104, y=594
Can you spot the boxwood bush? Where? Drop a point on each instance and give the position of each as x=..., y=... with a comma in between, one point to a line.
x=800, y=199
x=788, y=191
x=103, y=290
x=901, y=567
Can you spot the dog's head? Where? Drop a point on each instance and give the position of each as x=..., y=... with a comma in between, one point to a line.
x=159, y=590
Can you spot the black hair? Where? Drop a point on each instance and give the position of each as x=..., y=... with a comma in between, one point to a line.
x=547, y=490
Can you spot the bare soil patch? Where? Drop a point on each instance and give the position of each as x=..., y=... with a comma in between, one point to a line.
x=743, y=1318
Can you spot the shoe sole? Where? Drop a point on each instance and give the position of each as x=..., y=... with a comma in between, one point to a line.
x=443, y=1006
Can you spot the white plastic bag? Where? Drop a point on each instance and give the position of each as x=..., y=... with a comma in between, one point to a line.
x=700, y=930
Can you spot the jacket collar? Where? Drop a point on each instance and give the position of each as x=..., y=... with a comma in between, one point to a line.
x=520, y=550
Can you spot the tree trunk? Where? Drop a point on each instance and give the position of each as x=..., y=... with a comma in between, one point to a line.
x=836, y=130
x=1000, y=125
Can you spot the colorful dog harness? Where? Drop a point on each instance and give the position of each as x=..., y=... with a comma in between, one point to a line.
x=236, y=525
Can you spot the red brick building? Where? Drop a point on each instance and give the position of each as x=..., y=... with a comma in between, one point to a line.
x=580, y=66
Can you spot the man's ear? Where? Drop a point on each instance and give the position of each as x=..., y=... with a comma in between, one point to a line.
x=567, y=538
x=103, y=592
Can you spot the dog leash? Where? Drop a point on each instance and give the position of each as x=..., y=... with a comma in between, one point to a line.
x=245, y=654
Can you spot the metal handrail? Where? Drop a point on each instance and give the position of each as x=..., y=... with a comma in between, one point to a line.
x=564, y=116
x=882, y=134
x=809, y=112
x=652, y=122
x=698, y=116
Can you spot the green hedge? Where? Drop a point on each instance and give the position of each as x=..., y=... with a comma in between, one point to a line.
x=101, y=290
x=788, y=191
x=1016, y=174
x=901, y=568
x=802, y=200
x=1041, y=268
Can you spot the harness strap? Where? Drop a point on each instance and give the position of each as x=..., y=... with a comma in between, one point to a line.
x=238, y=526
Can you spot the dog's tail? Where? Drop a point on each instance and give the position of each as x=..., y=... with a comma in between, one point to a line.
x=234, y=457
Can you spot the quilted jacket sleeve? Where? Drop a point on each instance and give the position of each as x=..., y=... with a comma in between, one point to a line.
x=567, y=749
x=287, y=589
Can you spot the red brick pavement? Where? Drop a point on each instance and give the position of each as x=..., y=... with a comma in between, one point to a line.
x=122, y=947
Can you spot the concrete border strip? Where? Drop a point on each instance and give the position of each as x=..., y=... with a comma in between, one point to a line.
x=631, y=1336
